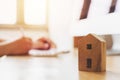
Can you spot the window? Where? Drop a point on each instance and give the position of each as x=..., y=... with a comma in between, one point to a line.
x=89, y=46
x=7, y=11
x=27, y=13
x=89, y=62
x=35, y=12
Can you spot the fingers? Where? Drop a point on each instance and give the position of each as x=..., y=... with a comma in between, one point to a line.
x=47, y=40
x=24, y=44
x=41, y=45
x=44, y=44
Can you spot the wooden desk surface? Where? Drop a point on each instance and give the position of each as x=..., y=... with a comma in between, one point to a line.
x=64, y=67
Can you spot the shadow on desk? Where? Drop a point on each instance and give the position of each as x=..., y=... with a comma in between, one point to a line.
x=112, y=52
x=113, y=44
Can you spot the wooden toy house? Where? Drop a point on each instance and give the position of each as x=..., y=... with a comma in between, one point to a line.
x=92, y=53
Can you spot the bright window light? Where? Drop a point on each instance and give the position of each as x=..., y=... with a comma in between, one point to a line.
x=7, y=11
x=35, y=12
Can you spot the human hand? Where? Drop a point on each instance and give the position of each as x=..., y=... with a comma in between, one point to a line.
x=2, y=40
x=43, y=44
x=17, y=47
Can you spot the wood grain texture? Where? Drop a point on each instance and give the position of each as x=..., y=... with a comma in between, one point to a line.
x=76, y=39
x=96, y=53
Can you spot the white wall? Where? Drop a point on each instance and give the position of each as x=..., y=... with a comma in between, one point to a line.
x=60, y=21
x=64, y=20
x=107, y=24
x=99, y=21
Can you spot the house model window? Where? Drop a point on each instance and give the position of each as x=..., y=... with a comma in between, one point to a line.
x=89, y=62
x=89, y=46
x=90, y=58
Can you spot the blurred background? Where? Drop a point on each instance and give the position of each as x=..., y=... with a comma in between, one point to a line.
x=61, y=20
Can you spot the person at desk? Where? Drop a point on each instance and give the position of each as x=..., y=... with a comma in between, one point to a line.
x=22, y=45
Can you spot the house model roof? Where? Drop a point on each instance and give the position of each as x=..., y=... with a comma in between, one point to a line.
x=97, y=37
x=92, y=53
